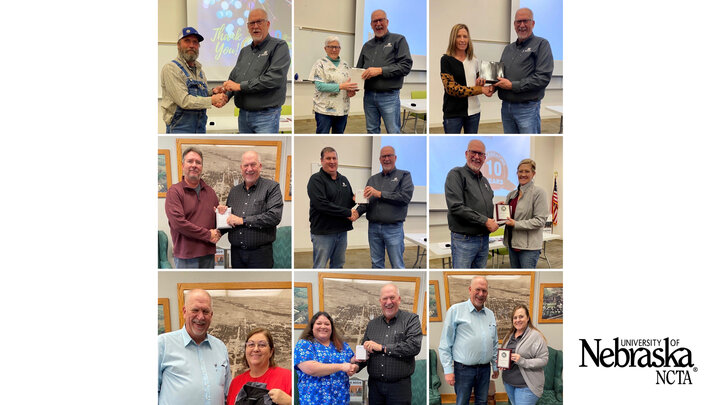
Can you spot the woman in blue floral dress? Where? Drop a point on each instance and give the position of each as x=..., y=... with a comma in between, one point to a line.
x=322, y=362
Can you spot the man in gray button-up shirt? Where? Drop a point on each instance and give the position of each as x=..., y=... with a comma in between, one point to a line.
x=259, y=79
x=528, y=69
x=469, y=199
x=386, y=59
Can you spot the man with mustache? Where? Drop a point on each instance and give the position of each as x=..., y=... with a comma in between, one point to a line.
x=386, y=59
x=185, y=97
x=259, y=79
x=193, y=366
x=190, y=209
x=528, y=69
x=257, y=206
x=392, y=341
x=469, y=199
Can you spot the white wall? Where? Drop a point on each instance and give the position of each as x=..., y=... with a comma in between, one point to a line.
x=553, y=331
x=352, y=151
x=490, y=22
x=168, y=142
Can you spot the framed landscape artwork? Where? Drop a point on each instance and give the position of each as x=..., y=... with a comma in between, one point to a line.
x=164, y=172
x=303, y=306
x=551, y=303
x=239, y=307
x=221, y=161
x=288, y=179
x=434, y=301
x=506, y=289
x=354, y=299
x=424, y=315
x=164, y=316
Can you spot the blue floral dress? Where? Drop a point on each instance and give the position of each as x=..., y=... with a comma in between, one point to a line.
x=333, y=389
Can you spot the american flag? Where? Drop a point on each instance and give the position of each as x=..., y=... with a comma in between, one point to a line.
x=555, y=203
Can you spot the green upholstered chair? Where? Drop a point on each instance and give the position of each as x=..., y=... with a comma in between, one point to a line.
x=282, y=248
x=502, y=252
x=418, y=382
x=553, y=389
x=434, y=387
x=163, y=262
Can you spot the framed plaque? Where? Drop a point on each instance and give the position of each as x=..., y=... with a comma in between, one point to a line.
x=503, y=359
x=503, y=212
x=490, y=71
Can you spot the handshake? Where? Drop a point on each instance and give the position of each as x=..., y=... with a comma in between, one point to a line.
x=219, y=97
x=215, y=235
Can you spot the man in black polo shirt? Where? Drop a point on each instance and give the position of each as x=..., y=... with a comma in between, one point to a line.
x=257, y=206
x=389, y=193
x=392, y=341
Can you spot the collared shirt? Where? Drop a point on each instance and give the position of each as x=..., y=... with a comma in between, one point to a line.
x=390, y=52
x=261, y=208
x=336, y=103
x=191, y=217
x=469, y=199
x=469, y=337
x=402, y=338
x=192, y=374
x=396, y=190
x=261, y=72
x=529, y=66
x=175, y=92
x=330, y=203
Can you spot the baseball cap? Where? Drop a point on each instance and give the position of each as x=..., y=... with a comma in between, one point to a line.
x=190, y=31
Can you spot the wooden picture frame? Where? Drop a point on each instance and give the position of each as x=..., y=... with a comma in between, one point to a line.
x=505, y=290
x=164, y=325
x=551, y=303
x=302, y=304
x=222, y=158
x=164, y=172
x=288, y=179
x=239, y=307
x=353, y=299
x=434, y=301
x=424, y=315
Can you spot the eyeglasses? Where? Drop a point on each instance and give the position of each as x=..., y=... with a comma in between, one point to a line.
x=526, y=22
x=333, y=47
x=386, y=156
x=378, y=20
x=260, y=345
x=474, y=152
x=258, y=23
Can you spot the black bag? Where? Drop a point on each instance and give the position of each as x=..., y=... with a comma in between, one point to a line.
x=253, y=393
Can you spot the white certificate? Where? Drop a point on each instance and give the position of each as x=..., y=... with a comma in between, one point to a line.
x=356, y=77
x=221, y=219
x=360, y=352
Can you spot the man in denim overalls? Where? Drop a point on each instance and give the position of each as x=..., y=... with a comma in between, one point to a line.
x=184, y=88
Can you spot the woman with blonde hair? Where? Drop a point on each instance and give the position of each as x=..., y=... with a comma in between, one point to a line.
x=460, y=75
x=525, y=378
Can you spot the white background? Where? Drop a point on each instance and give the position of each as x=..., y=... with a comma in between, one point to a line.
x=79, y=208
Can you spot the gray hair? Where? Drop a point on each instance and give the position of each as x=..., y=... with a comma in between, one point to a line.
x=256, y=154
x=332, y=38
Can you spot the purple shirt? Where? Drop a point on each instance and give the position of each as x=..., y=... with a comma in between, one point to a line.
x=191, y=217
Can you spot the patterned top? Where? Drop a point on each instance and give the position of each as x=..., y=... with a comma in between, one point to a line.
x=333, y=389
x=330, y=103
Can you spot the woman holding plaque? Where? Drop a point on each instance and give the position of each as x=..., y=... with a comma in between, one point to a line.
x=460, y=75
x=260, y=359
x=525, y=378
x=331, y=102
x=528, y=213
x=322, y=362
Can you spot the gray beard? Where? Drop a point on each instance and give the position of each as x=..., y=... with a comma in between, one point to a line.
x=189, y=57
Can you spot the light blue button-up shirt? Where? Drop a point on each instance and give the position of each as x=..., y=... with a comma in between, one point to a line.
x=192, y=374
x=469, y=337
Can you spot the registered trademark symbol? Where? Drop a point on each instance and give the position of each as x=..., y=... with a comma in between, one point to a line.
x=695, y=369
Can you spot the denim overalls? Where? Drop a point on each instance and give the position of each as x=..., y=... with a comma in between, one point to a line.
x=190, y=121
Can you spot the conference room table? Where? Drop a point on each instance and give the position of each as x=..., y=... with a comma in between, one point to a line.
x=407, y=107
x=229, y=124
x=420, y=240
x=441, y=250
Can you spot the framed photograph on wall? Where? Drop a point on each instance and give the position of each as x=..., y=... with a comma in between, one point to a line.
x=221, y=161
x=164, y=316
x=239, y=307
x=424, y=315
x=434, y=300
x=354, y=299
x=506, y=289
x=551, y=303
x=303, y=304
x=288, y=179
x=164, y=172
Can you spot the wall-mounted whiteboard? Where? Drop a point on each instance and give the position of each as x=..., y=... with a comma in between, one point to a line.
x=309, y=47
x=357, y=176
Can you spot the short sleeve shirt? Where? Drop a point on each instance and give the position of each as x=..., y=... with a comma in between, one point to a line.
x=333, y=389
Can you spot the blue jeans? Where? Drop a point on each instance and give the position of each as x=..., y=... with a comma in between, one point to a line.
x=326, y=122
x=521, y=118
x=454, y=125
x=187, y=122
x=520, y=396
x=469, y=378
x=202, y=262
x=265, y=121
x=390, y=237
x=524, y=259
x=382, y=104
x=329, y=247
x=469, y=252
